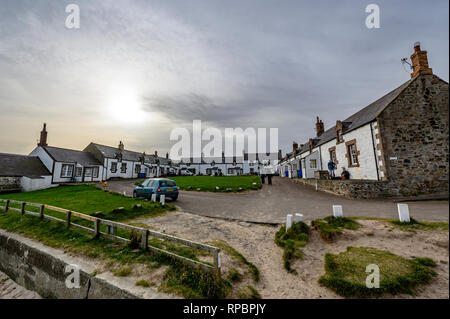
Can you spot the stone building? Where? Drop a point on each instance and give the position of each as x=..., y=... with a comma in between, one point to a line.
x=396, y=146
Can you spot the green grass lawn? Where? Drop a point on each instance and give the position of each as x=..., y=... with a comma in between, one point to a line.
x=88, y=199
x=209, y=183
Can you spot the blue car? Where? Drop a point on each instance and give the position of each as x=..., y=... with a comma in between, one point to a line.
x=158, y=186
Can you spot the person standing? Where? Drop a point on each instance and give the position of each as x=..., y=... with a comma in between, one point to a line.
x=263, y=177
x=269, y=179
x=331, y=168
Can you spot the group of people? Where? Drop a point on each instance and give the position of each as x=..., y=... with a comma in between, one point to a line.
x=331, y=168
x=263, y=178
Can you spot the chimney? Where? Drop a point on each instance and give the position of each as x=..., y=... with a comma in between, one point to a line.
x=156, y=153
x=121, y=146
x=294, y=148
x=419, y=61
x=43, y=140
x=319, y=127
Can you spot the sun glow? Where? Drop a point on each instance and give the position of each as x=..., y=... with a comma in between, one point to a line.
x=125, y=107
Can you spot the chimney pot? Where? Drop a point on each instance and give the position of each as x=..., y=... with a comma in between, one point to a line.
x=419, y=61
x=43, y=138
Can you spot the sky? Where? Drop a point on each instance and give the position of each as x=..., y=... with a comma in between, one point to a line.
x=135, y=70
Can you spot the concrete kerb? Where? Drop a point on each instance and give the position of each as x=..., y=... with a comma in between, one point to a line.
x=42, y=269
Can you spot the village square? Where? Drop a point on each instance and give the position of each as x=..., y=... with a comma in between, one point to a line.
x=240, y=151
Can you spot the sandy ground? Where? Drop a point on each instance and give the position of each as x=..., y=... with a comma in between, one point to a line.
x=256, y=243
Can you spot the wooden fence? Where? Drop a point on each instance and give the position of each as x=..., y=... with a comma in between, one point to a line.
x=113, y=226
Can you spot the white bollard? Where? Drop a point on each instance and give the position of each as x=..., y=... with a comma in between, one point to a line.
x=298, y=218
x=124, y=193
x=153, y=197
x=403, y=213
x=162, y=199
x=288, y=221
x=337, y=211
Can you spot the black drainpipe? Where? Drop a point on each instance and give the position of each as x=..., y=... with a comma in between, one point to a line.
x=374, y=152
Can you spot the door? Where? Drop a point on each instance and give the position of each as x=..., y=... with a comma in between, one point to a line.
x=87, y=177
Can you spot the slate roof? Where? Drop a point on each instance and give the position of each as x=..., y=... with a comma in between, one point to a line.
x=71, y=156
x=110, y=152
x=360, y=118
x=21, y=165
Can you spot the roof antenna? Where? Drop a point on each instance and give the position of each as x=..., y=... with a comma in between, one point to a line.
x=405, y=61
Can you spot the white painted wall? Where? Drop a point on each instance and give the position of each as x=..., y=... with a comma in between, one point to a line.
x=367, y=166
x=34, y=184
x=44, y=157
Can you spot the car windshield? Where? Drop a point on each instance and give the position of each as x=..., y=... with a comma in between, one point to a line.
x=167, y=183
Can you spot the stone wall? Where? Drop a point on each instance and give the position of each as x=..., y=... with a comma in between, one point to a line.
x=10, y=184
x=354, y=189
x=415, y=138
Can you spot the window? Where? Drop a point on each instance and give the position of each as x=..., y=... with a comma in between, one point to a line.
x=231, y=171
x=67, y=170
x=333, y=156
x=208, y=171
x=123, y=168
x=137, y=169
x=113, y=167
x=313, y=163
x=352, y=153
x=167, y=184
x=95, y=172
x=78, y=171
x=252, y=170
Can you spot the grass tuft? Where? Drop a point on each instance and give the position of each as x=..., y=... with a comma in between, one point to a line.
x=330, y=226
x=291, y=241
x=346, y=273
x=123, y=271
x=144, y=283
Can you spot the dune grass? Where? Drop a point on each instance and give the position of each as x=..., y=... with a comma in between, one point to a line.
x=346, y=273
x=292, y=241
x=330, y=226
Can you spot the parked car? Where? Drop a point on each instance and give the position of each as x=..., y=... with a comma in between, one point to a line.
x=186, y=173
x=158, y=186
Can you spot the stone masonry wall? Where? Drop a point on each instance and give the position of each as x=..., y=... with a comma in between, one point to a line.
x=415, y=138
x=354, y=189
x=9, y=184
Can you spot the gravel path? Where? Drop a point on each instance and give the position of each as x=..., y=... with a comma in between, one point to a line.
x=273, y=202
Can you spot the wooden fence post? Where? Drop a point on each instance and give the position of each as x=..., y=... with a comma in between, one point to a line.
x=6, y=205
x=69, y=214
x=22, y=208
x=144, y=239
x=97, y=228
x=41, y=212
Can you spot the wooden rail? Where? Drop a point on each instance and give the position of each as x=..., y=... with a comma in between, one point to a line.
x=112, y=227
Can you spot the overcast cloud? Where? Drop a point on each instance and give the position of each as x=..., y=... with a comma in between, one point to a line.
x=228, y=63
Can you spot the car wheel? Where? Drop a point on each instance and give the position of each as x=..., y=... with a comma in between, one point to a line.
x=175, y=198
x=134, y=195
